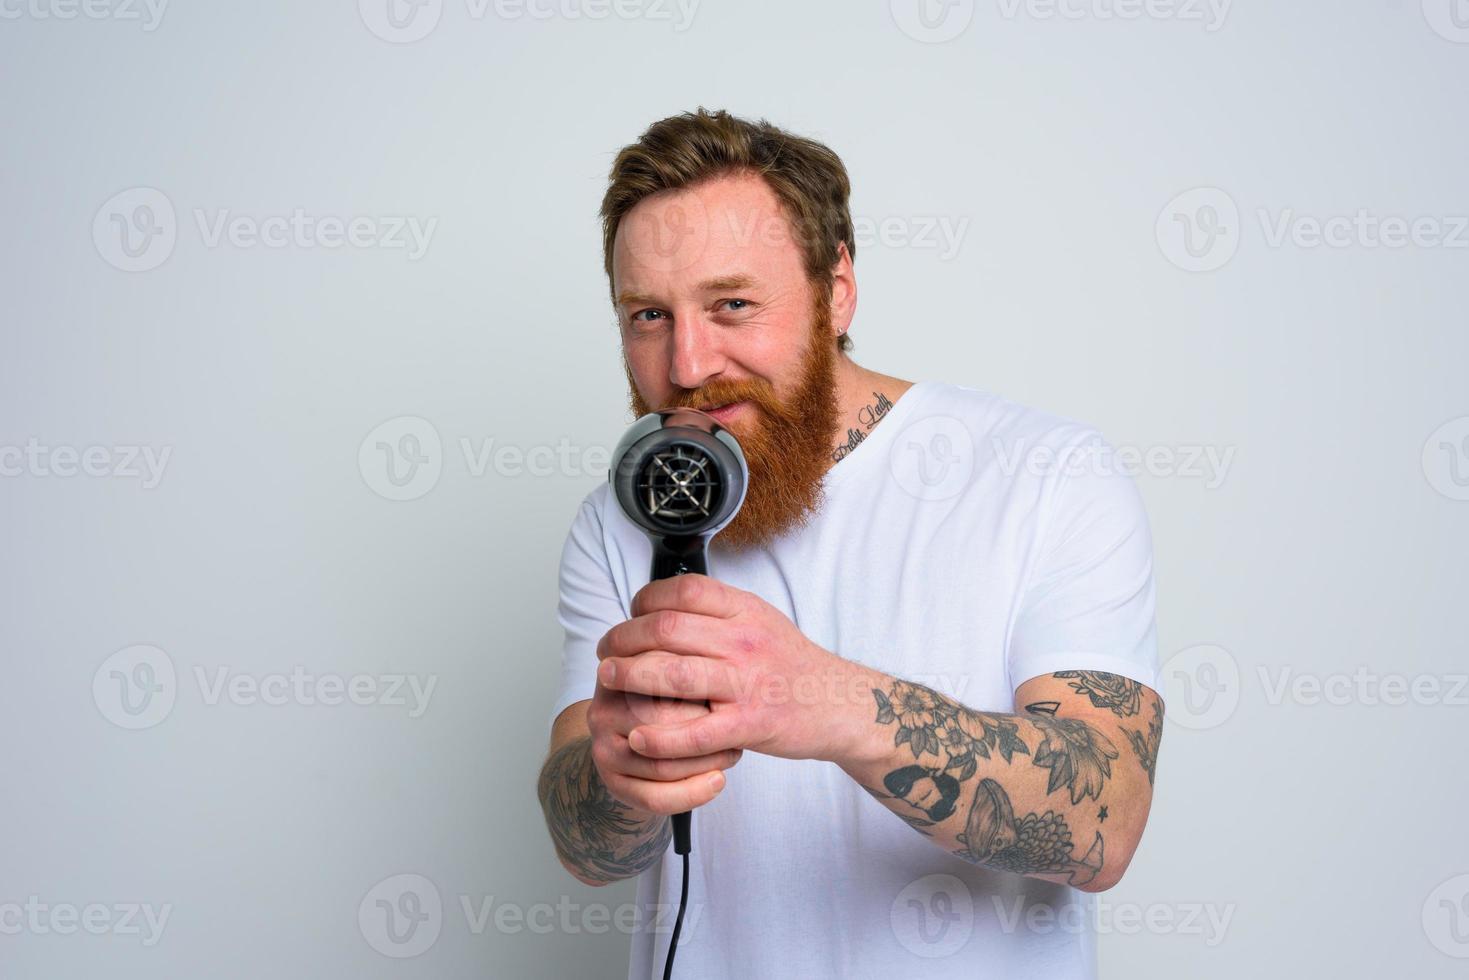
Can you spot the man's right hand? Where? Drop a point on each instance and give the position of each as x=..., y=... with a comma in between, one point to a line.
x=661, y=786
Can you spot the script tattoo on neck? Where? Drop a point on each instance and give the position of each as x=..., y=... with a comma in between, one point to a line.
x=591, y=828
x=867, y=417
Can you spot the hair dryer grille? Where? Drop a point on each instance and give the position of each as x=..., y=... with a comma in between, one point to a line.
x=679, y=474
x=680, y=487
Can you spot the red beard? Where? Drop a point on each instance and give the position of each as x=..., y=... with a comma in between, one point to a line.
x=787, y=442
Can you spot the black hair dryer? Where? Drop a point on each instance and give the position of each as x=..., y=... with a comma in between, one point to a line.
x=681, y=477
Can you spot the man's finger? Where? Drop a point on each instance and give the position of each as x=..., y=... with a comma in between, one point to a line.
x=670, y=675
x=624, y=761
x=669, y=630
x=666, y=797
x=621, y=712
x=713, y=733
x=689, y=593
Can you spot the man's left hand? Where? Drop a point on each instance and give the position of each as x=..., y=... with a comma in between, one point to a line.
x=769, y=688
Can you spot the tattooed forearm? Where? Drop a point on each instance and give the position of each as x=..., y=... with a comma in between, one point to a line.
x=1037, y=843
x=929, y=724
x=1026, y=793
x=1078, y=756
x=1145, y=744
x=595, y=833
x=1120, y=695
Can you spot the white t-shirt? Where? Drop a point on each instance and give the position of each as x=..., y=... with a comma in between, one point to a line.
x=969, y=544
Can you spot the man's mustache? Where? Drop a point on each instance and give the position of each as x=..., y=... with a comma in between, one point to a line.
x=714, y=397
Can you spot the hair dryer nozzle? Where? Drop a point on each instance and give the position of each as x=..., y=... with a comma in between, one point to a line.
x=679, y=473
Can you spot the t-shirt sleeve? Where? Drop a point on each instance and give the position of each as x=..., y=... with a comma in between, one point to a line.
x=1089, y=601
x=587, y=608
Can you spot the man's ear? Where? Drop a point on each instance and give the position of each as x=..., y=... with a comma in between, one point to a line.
x=843, y=291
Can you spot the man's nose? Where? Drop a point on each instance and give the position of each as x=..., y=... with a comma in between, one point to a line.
x=696, y=353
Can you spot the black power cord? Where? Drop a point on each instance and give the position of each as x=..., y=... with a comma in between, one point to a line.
x=683, y=898
x=683, y=843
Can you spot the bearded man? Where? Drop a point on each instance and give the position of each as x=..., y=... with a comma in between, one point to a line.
x=930, y=645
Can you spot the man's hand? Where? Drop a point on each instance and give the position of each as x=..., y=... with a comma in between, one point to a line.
x=769, y=688
x=660, y=786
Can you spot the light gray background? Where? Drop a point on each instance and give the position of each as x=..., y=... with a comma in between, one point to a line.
x=1335, y=539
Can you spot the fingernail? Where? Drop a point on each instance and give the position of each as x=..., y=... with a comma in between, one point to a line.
x=637, y=741
x=607, y=673
x=716, y=780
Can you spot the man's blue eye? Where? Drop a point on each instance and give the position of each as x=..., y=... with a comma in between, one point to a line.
x=641, y=312
x=745, y=301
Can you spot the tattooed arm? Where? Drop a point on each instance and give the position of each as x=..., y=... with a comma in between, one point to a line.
x=1059, y=790
x=598, y=838
x=1045, y=791
x=607, y=807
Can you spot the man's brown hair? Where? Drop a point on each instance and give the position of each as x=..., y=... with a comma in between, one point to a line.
x=680, y=151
